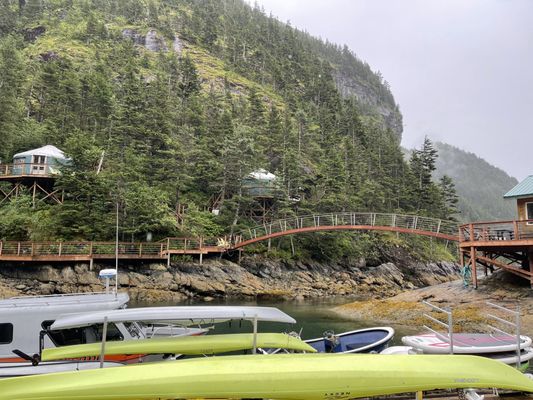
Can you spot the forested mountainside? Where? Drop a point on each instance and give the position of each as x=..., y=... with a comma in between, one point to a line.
x=166, y=103
x=480, y=185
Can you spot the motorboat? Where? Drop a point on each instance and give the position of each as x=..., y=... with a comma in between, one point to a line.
x=278, y=376
x=368, y=340
x=123, y=325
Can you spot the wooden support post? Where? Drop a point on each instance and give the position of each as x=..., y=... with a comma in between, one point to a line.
x=269, y=245
x=168, y=259
x=91, y=263
x=34, y=193
x=419, y=395
x=473, y=257
x=201, y=258
x=530, y=257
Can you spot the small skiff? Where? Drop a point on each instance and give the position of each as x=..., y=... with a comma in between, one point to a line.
x=279, y=376
x=465, y=343
x=359, y=341
x=187, y=345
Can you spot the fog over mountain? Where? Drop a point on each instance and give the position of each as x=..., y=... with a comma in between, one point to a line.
x=460, y=69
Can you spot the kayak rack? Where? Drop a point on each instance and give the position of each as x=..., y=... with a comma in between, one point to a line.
x=513, y=323
x=448, y=325
x=516, y=325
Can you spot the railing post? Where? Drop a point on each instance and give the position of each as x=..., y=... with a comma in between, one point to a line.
x=515, y=228
x=60, y=248
x=140, y=249
x=18, y=249
x=90, y=249
x=471, y=231
x=1, y=246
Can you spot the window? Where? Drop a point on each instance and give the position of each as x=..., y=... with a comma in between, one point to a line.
x=39, y=159
x=89, y=334
x=6, y=333
x=529, y=212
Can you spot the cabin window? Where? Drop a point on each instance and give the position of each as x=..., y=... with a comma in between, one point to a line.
x=529, y=212
x=39, y=159
x=88, y=334
x=6, y=333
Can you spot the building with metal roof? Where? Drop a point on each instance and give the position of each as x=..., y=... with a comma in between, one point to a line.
x=523, y=189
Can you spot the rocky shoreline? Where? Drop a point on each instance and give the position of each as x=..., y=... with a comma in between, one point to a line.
x=254, y=277
x=469, y=306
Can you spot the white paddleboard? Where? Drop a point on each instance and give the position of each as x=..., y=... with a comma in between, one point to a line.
x=465, y=343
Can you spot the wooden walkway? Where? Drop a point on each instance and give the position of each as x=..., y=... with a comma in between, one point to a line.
x=89, y=251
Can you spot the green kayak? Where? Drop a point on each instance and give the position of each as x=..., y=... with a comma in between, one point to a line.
x=188, y=345
x=279, y=376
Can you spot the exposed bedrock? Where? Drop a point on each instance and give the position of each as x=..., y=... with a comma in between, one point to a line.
x=253, y=278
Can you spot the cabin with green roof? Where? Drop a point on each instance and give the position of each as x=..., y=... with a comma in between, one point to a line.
x=523, y=193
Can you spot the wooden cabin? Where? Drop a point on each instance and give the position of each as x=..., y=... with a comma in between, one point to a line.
x=523, y=193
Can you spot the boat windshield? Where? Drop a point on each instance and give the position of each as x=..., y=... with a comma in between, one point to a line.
x=88, y=334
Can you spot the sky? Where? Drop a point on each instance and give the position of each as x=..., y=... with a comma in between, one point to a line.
x=461, y=70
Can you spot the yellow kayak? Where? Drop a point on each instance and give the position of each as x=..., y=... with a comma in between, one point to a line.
x=279, y=376
x=188, y=345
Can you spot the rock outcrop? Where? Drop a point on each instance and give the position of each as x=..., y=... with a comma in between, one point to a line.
x=257, y=278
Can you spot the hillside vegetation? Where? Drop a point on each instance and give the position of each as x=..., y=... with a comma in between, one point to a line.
x=480, y=185
x=179, y=100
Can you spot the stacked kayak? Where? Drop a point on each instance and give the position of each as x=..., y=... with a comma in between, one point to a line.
x=278, y=376
x=499, y=347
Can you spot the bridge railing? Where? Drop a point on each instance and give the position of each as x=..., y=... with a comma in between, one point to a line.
x=409, y=222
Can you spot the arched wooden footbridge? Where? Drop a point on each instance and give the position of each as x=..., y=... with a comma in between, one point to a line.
x=411, y=224
x=11, y=251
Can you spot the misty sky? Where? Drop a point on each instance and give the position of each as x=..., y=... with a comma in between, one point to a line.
x=461, y=70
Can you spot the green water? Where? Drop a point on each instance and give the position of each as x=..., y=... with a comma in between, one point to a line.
x=313, y=318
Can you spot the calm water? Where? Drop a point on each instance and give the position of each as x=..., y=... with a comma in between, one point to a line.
x=313, y=318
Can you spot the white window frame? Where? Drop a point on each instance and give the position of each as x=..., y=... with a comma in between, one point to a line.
x=527, y=214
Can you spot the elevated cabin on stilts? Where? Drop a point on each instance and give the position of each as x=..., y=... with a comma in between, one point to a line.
x=34, y=172
x=502, y=244
x=263, y=187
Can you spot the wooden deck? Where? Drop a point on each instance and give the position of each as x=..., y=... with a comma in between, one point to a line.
x=10, y=172
x=88, y=251
x=506, y=245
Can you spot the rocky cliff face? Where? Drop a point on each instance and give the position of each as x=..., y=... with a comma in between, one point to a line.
x=371, y=102
x=254, y=278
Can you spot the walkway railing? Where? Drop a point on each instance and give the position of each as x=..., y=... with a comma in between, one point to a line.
x=77, y=250
x=397, y=222
x=496, y=231
x=27, y=169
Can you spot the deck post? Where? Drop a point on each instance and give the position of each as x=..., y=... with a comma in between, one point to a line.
x=1, y=246
x=91, y=263
x=168, y=259
x=473, y=257
x=530, y=257
x=201, y=258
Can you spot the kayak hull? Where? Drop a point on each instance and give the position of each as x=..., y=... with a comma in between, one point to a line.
x=186, y=345
x=280, y=376
x=368, y=340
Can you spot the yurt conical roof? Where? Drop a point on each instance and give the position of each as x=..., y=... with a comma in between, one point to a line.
x=48, y=150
